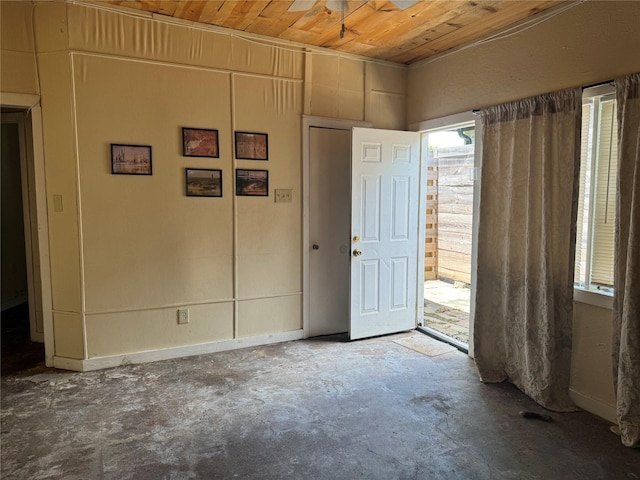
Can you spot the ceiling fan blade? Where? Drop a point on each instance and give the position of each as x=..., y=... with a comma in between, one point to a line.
x=404, y=4
x=301, y=5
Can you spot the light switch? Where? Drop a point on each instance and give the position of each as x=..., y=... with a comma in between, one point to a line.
x=283, y=195
x=57, y=203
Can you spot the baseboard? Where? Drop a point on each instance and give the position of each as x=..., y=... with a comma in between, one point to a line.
x=591, y=405
x=64, y=363
x=100, y=363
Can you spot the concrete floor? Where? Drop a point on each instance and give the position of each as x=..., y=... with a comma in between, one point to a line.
x=314, y=409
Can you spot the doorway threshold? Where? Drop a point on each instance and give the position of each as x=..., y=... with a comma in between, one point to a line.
x=463, y=347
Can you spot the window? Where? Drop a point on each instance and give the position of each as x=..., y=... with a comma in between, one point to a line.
x=598, y=175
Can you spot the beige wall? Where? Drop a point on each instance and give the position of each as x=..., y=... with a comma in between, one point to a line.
x=17, y=62
x=592, y=42
x=128, y=251
x=591, y=363
x=351, y=89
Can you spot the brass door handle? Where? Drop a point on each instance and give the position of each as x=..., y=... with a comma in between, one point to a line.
x=357, y=253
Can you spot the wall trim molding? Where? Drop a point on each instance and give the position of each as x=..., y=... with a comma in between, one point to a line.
x=174, y=64
x=112, y=361
x=21, y=100
x=593, y=405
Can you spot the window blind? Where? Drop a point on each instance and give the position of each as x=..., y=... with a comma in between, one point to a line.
x=605, y=195
x=582, y=234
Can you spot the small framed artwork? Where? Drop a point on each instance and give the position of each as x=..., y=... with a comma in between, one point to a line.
x=130, y=159
x=199, y=142
x=252, y=183
x=203, y=182
x=251, y=146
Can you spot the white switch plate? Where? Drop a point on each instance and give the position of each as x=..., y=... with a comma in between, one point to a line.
x=57, y=203
x=283, y=195
x=183, y=316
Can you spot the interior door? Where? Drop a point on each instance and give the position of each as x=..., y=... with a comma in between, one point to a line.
x=385, y=229
x=329, y=228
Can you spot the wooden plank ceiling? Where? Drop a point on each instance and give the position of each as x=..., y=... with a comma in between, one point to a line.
x=374, y=28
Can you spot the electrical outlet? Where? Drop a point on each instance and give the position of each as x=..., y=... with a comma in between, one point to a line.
x=283, y=195
x=183, y=316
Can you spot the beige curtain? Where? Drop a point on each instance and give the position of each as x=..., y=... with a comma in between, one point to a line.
x=526, y=245
x=626, y=299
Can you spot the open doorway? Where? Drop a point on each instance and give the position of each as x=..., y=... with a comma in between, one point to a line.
x=22, y=333
x=450, y=156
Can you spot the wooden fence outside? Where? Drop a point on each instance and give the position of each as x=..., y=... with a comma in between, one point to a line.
x=449, y=214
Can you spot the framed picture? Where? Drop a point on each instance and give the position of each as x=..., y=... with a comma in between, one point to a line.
x=252, y=146
x=199, y=142
x=203, y=182
x=252, y=183
x=130, y=159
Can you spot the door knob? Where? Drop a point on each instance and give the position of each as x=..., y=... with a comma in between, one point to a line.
x=316, y=246
x=357, y=253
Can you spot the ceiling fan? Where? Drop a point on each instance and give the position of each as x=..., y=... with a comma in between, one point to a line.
x=341, y=5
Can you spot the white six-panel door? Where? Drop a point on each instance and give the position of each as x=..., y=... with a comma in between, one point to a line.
x=384, y=231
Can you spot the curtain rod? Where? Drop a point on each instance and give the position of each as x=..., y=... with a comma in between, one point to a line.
x=606, y=82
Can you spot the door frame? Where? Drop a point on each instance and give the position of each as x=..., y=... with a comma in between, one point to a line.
x=309, y=121
x=36, y=185
x=441, y=123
